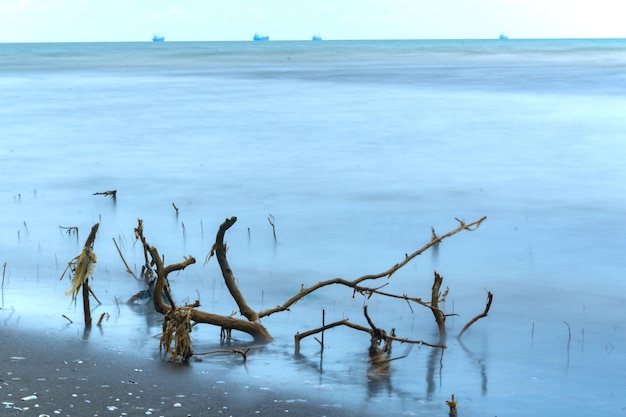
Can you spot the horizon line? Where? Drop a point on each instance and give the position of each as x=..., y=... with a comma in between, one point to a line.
x=149, y=40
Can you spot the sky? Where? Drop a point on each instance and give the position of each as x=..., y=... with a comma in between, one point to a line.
x=208, y=20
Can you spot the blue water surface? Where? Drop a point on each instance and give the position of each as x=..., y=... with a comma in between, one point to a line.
x=355, y=149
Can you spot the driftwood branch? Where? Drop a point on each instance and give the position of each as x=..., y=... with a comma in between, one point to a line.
x=253, y=328
x=243, y=353
x=178, y=320
x=479, y=316
x=372, y=331
x=435, y=240
x=227, y=272
x=345, y=322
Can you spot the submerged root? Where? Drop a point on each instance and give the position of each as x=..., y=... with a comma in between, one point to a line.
x=175, y=338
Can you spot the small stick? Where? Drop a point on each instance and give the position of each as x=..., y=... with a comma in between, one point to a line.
x=69, y=229
x=94, y=295
x=102, y=317
x=321, y=342
x=243, y=353
x=112, y=194
x=124, y=260
x=323, y=323
x=480, y=316
x=271, y=220
x=67, y=318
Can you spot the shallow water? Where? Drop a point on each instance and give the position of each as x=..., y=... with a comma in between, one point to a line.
x=356, y=150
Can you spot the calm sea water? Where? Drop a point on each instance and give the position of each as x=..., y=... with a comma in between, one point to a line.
x=355, y=149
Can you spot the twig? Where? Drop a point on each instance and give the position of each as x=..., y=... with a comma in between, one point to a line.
x=270, y=219
x=480, y=316
x=243, y=353
x=299, y=336
x=112, y=193
x=69, y=230
x=102, y=316
x=94, y=295
x=370, y=291
x=124, y=260
x=323, y=323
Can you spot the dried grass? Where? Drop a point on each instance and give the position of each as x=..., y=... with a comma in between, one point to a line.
x=82, y=268
x=175, y=339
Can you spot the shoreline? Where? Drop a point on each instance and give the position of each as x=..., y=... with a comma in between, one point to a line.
x=49, y=375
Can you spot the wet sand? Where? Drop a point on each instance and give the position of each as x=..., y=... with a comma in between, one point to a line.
x=46, y=375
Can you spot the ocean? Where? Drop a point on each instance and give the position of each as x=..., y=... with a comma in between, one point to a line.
x=354, y=150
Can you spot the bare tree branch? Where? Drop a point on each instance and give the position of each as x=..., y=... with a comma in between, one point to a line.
x=388, y=273
x=227, y=272
x=479, y=316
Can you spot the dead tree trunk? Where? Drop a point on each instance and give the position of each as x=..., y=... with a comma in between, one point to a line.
x=440, y=318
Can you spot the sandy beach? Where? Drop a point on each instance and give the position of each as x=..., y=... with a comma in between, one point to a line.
x=49, y=376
